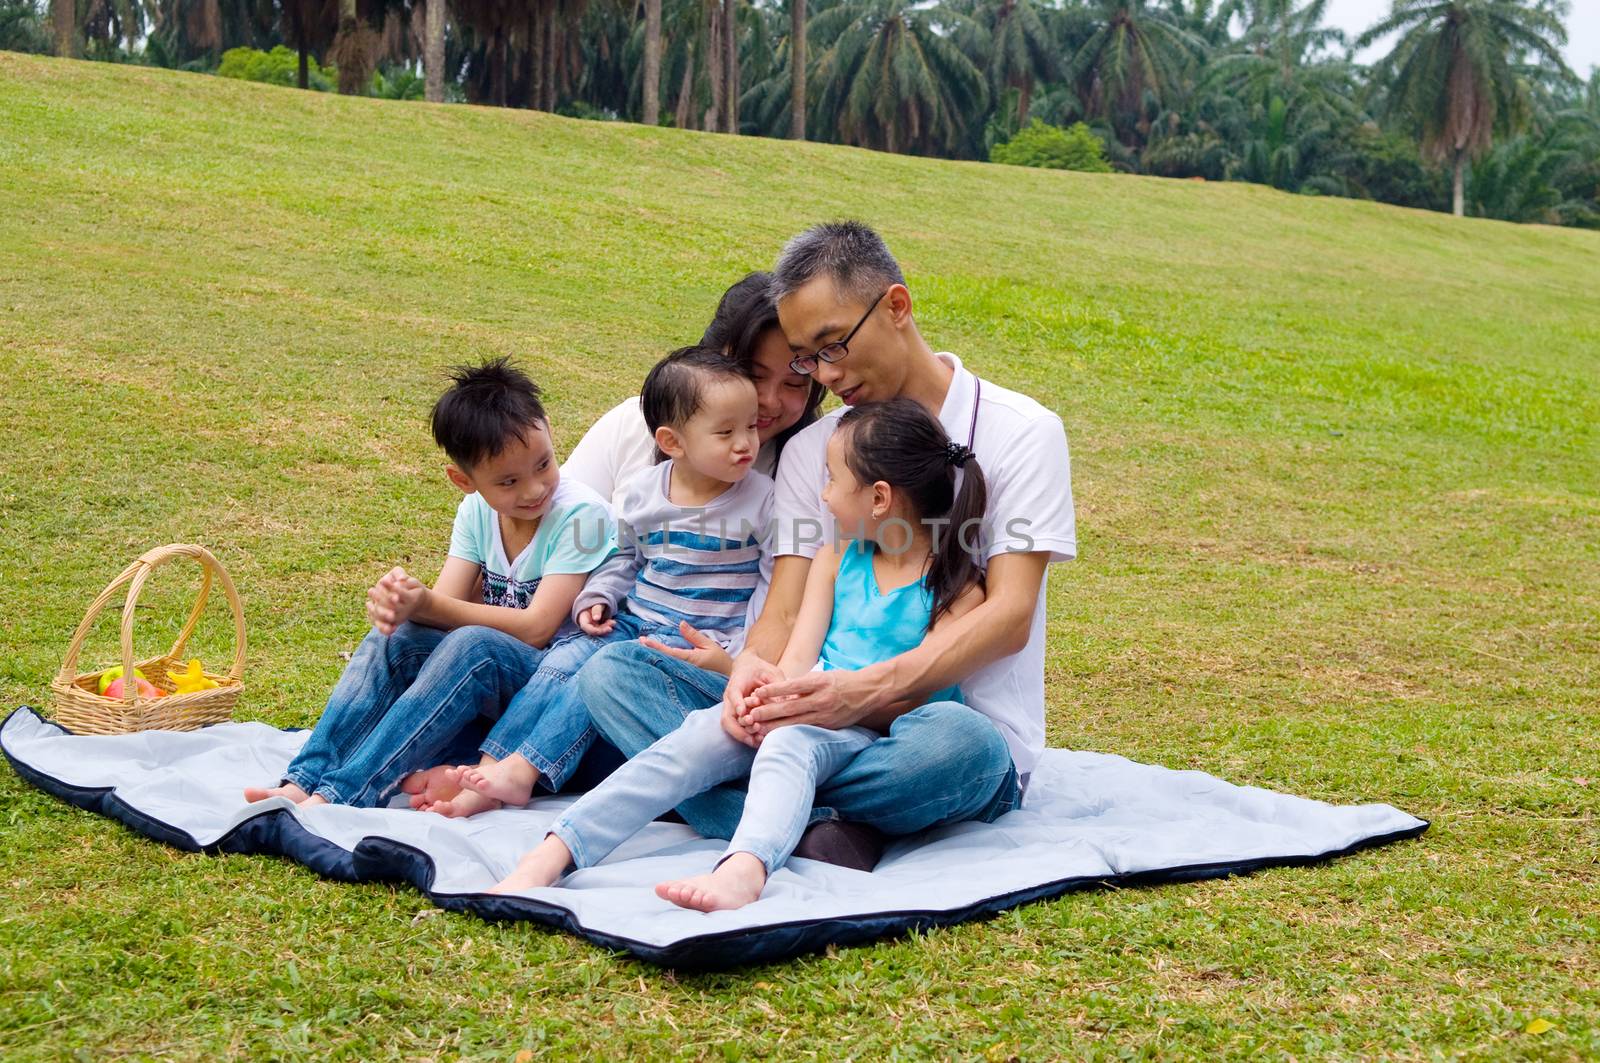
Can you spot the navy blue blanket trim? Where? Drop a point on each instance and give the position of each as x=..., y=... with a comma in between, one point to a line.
x=278, y=833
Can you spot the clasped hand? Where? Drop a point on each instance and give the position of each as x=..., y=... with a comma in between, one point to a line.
x=760, y=697
x=394, y=599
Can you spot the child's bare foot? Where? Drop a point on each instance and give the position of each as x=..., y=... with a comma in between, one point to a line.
x=736, y=882
x=288, y=789
x=464, y=803
x=510, y=780
x=540, y=866
x=432, y=784
x=313, y=801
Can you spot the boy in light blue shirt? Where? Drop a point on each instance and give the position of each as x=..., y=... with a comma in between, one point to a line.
x=440, y=658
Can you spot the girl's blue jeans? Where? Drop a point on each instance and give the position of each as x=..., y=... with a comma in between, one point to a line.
x=420, y=697
x=784, y=773
x=941, y=763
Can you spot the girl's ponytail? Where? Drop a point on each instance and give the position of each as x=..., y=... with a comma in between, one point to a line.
x=956, y=562
x=902, y=444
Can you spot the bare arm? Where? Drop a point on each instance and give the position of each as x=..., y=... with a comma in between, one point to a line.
x=816, y=613
x=958, y=646
x=536, y=625
x=458, y=579
x=779, y=612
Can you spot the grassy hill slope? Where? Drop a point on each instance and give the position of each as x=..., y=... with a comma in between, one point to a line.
x=1338, y=475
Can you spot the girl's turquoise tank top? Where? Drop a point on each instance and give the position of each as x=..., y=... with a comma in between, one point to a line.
x=869, y=626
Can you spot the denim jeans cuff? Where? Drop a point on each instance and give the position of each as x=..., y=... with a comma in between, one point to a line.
x=329, y=794
x=294, y=778
x=553, y=774
x=495, y=750
x=569, y=838
x=768, y=860
x=1007, y=798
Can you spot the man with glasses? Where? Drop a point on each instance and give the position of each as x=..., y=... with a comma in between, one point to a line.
x=844, y=306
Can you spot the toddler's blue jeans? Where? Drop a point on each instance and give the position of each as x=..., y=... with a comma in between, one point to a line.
x=541, y=722
x=417, y=698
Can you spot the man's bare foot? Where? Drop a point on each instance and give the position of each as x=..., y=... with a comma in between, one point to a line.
x=288, y=789
x=432, y=784
x=464, y=803
x=313, y=801
x=736, y=882
x=510, y=780
x=543, y=865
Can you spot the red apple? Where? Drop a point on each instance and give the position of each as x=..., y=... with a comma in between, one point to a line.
x=146, y=688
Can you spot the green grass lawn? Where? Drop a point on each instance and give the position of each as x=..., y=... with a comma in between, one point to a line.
x=1338, y=479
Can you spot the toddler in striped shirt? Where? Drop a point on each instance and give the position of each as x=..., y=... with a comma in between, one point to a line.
x=691, y=562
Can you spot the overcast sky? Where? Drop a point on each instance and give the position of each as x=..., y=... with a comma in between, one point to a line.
x=1583, y=28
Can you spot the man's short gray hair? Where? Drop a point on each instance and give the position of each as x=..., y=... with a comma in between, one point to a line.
x=847, y=251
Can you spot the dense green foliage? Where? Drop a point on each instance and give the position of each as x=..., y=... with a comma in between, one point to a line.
x=1245, y=90
x=277, y=67
x=1338, y=479
x=1053, y=148
x=280, y=67
x=23, y=27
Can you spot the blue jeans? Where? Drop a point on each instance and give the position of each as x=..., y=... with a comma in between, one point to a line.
x=940, y=763
x=408, y=701
x=784, y=773
x=546, y=723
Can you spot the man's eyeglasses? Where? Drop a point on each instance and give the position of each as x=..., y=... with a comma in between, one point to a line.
x=806, y=364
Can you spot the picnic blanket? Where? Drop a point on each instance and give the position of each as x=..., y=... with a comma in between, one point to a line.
x=1089, y=820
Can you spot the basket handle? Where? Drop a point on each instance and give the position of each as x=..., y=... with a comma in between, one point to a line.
x=134, y=576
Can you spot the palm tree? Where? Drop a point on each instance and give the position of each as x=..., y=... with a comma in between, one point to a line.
x=433, y=19
x=1451, y=73
x=64, y=20
x=522, y=52
x=1136, y=51
x=107, y=25
x=1296, y=103
x=354, y=50
x=1211, y=20
x=650, y=107
x=730, y=70
x=890, y=79
x=308, y=26
x=23, y=29
x=190, y=34
x=1010, y=40
x=1289, y=31
x=769, y=45
x=797, y=69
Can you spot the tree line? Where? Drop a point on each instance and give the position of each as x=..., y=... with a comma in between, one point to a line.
x=1472, y=109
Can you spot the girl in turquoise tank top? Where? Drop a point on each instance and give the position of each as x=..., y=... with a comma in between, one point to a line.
x=909, y=506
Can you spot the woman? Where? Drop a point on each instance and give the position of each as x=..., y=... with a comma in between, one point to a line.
x=746, y=327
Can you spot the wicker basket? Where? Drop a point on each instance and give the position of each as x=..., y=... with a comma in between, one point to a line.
x=80, y=709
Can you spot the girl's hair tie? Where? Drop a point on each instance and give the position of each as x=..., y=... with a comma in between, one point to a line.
x=956, y=454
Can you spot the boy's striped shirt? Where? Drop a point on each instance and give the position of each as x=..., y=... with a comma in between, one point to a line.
x=703, y=565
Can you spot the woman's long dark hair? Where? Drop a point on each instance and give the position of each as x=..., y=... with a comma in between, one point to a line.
x=902, y=444
x=743, y=316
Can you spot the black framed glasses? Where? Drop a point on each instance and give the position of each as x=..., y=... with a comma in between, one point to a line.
x=806, y=364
